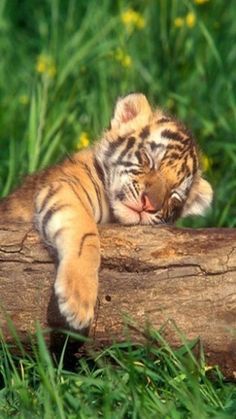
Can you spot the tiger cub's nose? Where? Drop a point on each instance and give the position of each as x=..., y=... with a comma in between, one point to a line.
x=154, y=193
x=147, y=204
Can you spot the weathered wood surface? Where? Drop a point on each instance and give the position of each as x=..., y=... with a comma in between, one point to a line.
x=152, y=274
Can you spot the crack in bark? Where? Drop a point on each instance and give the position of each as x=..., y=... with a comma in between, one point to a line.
x=135, y=266
x=229, y=255
x=31, y=262
x=20, y=244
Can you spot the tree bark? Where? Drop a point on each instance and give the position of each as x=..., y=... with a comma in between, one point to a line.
x=156, y=275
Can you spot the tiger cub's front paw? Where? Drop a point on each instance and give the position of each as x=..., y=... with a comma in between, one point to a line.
x=78, y=313
x=77, y=296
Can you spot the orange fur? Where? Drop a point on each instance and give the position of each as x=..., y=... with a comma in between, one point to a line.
x=144, y=170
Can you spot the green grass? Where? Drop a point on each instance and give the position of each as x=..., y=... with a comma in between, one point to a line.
x=63, y=64
x=124, y=381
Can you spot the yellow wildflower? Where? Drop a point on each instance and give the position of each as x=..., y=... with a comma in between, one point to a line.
x=123, y=58
x=190, y=20
x=83, y=141
x=208, y=368
x=45, y=65
x=170, y=103
x=24, y=99
x=132, y=20
x=178, y=22
x=206, y=162
x=126, y=61
x=200, y=1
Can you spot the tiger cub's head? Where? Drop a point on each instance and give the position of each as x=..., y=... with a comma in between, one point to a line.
x=151, y=165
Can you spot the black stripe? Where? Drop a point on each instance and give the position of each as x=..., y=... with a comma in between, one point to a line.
x=176, y=147
x=78, y=183
x=128, y=164
x=145, y=132
x=50, y=193
x=195, y=164
x=173, y=156
x=120, y=195
x=64, y=173
x=85, y=236
x=188, y=142
x=48, y=215
x=71, y=158
x=158, y=220
x=194, y=158
x=184, y=168
x=136, y=187
x=88, y=197
x=138, y=156
x=96, y=188
x=99, y=170
x=154, y=145
x=133, y=191
x=150, y=160
x=77, y=196
x=113, y=145
x=163, y=119
x=182, y=128
x=172, y=135
x=130, y=142
x=129, y=145
x=134, y=172
x=187, y=172
x=165, y=157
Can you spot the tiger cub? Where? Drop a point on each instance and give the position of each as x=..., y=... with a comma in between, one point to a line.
x=144, y=170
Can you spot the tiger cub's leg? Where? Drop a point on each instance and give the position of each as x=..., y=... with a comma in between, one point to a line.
x=65, y=221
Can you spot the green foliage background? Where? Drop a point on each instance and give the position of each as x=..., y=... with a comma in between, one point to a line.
x=185, y=66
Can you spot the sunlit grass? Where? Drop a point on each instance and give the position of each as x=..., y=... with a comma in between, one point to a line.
x=147, y=380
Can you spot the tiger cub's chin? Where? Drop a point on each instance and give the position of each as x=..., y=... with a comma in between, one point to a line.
x=126, y=215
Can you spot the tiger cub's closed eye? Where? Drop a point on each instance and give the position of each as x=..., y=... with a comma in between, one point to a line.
x=146, y=159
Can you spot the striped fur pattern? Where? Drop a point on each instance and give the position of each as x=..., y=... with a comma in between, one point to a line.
x=144, y=170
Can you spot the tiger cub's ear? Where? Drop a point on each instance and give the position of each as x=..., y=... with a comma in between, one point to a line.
x=199, y=199
x=130, y=111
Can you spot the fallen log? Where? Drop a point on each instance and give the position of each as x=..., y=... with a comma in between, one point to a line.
x=152, y=274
